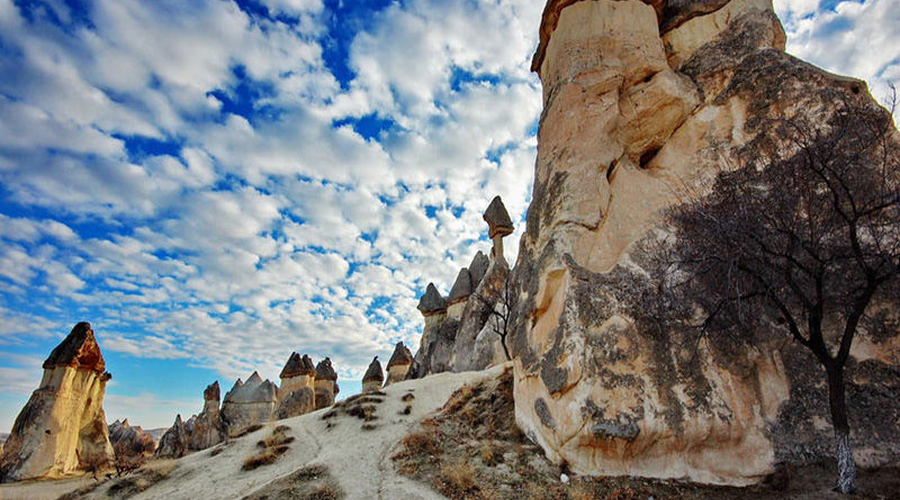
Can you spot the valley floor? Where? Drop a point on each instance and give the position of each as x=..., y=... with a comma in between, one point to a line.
x=445, y=436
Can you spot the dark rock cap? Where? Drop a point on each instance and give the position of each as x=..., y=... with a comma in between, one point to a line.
x=211, y=393
x=324, y=370
x=297, y=366
x=78, y=349
x=462, y=287
x=374, y=373
x=431, y=302
x=497, y=218
x=478, y=268
x=401, y=356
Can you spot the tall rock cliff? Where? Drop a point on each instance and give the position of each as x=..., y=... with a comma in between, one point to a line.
x=644, y=102
x=62, y=429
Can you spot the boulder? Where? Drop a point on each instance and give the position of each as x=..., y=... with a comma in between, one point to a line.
x=399, y=364
x=373, y=378
x=326, y=387
x=174, y=443
x=634, y=122
x=62, y=428
x=208, y=428
x=249, y=403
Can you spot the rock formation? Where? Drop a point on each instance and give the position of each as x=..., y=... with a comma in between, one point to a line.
x=459, y=333
x=399, y=364
x=62, y=428
x=499, y=225
x=326, y=386
x=249, y=403
x=130, y=443
x=296, y=395
x=644, y=102
x=207, y=428
x=373, y=378
x=174, y=443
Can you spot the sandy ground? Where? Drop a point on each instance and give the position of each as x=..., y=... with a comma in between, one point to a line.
x=48, y=489
x=358, y=458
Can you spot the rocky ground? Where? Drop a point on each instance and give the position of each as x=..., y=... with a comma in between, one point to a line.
x=445, y=436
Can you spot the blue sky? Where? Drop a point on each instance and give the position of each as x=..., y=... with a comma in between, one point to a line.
x=214, y=183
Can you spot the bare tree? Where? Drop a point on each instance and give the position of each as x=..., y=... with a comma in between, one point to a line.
x=804, y=240
x=499, y=312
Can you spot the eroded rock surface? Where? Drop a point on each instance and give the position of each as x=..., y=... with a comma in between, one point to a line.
x=130, y=443
x=326, y=386
x=174, y=443
x=208, y=428
x=399, y=364
x=374, y=377
x=296, y=395
x=249, y=403
x=634, y=122
x=62, y=428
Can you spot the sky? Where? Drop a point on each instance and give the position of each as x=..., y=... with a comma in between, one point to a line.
x=214, y=184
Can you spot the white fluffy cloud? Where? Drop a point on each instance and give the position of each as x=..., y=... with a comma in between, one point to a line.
x=189, y=177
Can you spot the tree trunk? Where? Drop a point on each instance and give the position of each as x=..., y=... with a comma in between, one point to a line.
x=846, y=464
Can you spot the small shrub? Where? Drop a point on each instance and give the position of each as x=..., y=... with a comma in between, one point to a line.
x=408, y=397
x=458, y=478
x=406, y=411
x=248, y=430
x=265, y=457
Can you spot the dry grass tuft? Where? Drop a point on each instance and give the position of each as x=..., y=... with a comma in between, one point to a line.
x=313, y=482
x=141, y=480
x=248, y=430
x=272, y=447
x=457, y=479
x=408, y=397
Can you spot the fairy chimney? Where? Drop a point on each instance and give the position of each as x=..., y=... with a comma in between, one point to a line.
x=499, y=225
x=326, y=384
x=373, y=378
x=399, y=364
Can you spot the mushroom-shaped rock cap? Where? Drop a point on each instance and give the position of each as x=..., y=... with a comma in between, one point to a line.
x=432, y=301
x=324, y=370
x=401, y=356
x=497, y=218
x=478, y=268
x=211, y=393
x=462, y=287
x=78, y=349
x=297, y=365
x=374, y=373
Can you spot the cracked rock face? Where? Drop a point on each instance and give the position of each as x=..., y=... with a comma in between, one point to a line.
x=631, y=119
x=249, y=403
x=62, y=428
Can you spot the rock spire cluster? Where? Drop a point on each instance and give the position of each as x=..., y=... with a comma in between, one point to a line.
x=459, y=332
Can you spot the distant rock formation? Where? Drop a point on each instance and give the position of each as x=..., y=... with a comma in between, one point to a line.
x=399, y=364
x=130, y=443
x=459, y=334
x=62, y=428
x=249, y=403
x=373, y=378
x=297, y=393
x=207, y=428
x=644, y=102
x=174, y=443
x=326, y=386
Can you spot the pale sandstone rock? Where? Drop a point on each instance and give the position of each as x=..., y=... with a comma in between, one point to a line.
x=399, y=364
x=62, y=428
x=208, y=429
x=622, y=136
x=438, y=335
x=374, y=377
x=249, y=403
x=326, y=387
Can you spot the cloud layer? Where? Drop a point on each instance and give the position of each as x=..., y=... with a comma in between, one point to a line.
x=221, y=182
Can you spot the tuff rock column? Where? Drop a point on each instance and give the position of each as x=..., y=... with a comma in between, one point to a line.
x=62, y=428
x=326, y=386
